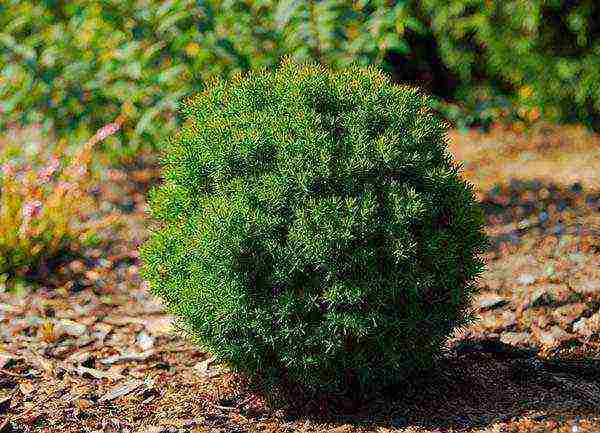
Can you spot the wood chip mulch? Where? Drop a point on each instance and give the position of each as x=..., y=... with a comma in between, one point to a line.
x=89, y=350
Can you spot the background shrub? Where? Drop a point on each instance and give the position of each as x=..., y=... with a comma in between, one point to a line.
x=76, y=65
x=536, y=58
x=314, y=227
x=46, y=208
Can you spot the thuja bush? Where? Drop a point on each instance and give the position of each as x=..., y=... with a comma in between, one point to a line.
x=313, y=228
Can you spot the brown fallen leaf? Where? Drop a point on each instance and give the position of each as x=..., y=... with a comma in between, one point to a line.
x=123, y=320
x=554, y=337
x=159, y=326
x=81, y=358
x=42, y=363
x=69, y=328
x=567, y=314
x=82, y=404
x=202, y=366
x=26, y=388
x=522, y=339
x=213, y=372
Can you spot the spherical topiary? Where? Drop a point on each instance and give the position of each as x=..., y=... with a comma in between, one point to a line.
x=314, y=229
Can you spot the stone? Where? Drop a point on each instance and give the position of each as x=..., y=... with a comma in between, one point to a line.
x=526, y=279
x=145, y=341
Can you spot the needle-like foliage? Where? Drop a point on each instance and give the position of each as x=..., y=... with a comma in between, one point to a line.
x=314, y=228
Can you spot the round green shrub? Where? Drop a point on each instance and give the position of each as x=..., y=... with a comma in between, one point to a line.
x=313, y=227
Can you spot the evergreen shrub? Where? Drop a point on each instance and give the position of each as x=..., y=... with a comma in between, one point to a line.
x=313, y=228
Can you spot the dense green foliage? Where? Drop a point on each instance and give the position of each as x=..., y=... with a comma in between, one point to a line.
x=535, y=57
x=76, y=65
x=313, y=227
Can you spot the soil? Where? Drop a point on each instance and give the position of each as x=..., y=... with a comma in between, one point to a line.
x=90, y=350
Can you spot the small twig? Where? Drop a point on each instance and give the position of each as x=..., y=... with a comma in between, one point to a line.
x=224, y=407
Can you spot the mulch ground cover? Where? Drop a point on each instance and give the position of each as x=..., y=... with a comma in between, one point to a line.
x=90, y=350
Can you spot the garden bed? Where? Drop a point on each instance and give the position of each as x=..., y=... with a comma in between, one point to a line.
x=91, y=350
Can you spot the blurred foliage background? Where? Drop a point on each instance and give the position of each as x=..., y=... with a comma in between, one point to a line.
x=73, y=66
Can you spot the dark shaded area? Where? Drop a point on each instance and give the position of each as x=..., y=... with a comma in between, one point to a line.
x=483, y=381
x=559, y=37
x=422, y=67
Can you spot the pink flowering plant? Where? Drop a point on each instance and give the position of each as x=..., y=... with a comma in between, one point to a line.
x=45, y=205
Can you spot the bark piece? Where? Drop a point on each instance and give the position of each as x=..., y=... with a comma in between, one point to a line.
x=121, y=390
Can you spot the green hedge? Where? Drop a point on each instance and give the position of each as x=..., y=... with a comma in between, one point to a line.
x=76, y=65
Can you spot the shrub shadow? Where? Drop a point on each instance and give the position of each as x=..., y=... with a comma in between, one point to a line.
x=463, y=392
